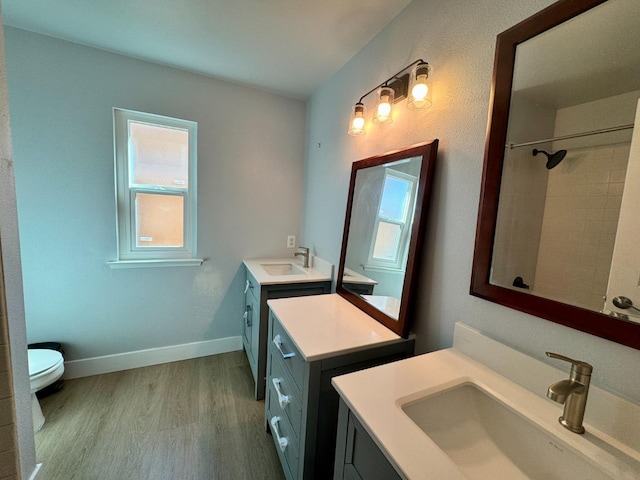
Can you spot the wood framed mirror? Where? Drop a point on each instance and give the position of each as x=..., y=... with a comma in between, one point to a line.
x=555, y=233
x=384, y=224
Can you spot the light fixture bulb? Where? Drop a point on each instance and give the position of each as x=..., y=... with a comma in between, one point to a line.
x=383, y=108
x=420, y=90
x=420, y=93
x=356, y=123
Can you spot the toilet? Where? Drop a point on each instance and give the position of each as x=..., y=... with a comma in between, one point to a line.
x=45, y=367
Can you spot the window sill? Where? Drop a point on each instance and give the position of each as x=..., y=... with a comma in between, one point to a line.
x=169, y=262
x=380, y=268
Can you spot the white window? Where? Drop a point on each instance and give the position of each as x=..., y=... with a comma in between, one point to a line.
x=155, y=166
x=392, y=227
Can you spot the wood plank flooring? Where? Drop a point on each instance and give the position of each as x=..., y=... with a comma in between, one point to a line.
x=189, y=420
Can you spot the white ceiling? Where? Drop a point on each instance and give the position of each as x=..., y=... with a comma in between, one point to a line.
x=592, y=56
x=288, y=47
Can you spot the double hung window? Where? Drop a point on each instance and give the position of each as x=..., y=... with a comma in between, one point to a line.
x=155, y=166
x=392, y=226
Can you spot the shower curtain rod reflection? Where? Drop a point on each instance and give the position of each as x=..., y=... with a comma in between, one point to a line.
x=573, y=135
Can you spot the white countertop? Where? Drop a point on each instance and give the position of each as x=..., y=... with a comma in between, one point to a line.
x=351, y=276
x=376, y=395
x=320, y=271
x=389, y=305
x=323, y=325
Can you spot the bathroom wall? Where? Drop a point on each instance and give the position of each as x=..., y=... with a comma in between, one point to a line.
x=458, y=39
x=17, y=447
x=583, y=201
x=579, y=228
x=571, y=210
x=522, y=195
x=250, y=171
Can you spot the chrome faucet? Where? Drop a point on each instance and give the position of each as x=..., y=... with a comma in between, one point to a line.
x=572, y=393
x=305, y=254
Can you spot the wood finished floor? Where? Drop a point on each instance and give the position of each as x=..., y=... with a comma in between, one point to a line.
x=189, y=420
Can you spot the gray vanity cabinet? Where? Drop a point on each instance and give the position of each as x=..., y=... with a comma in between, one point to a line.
x=357, y=455
x=251, y=326
x=301, y=406
x=256, y=315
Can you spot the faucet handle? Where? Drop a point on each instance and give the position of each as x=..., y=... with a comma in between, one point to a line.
x=577, y=366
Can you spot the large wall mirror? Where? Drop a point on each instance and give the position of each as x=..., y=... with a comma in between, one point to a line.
x=385, y=218
x=558, y=230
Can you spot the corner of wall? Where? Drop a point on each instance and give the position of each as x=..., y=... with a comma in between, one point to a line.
x=14, y=321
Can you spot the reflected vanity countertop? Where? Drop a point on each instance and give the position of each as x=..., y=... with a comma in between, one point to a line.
x=323, y=325
x=350, y=276
x=376, y=397
x=319, y=271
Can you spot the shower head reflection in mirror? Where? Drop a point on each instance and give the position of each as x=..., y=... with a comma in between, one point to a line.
x=553, y=159
x=568, y=78
x=557, y=227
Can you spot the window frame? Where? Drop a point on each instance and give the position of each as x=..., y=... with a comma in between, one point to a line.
x=399, y=262
x=128, y=251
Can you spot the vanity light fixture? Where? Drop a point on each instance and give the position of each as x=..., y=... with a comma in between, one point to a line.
x=411, y=82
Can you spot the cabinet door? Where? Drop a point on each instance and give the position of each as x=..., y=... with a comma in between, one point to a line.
x=357, y=455
x=254, y=341
x=246, y=324
x=251, y=328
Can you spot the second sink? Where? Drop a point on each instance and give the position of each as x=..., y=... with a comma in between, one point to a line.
x=486, y=439
x=282, y=269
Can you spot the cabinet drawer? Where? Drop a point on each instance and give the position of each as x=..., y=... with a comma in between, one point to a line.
x=283, y=348
x=286, y=443
x=284, y=396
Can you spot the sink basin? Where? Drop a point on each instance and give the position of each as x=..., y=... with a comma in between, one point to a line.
x=282, y=269
x=486, y=439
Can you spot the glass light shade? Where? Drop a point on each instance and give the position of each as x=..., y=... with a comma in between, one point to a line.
x=419, y=91
x=356, y=123
x=383, y=107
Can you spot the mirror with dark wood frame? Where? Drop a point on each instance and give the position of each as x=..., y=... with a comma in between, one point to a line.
x=557, y=223
x=384, y=224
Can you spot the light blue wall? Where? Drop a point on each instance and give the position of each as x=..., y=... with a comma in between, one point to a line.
x=250, y=171
x=458, y=38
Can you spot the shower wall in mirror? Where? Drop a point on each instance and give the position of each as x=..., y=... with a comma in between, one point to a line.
x=557, y=220
x=573, y=105
x=386, y=212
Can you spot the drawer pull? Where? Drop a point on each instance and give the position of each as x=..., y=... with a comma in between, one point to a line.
x=246, y=287
x=283, y=400
x=282, y=441
x=277, y=341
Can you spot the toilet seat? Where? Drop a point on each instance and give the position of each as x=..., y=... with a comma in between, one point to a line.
x=45, y=367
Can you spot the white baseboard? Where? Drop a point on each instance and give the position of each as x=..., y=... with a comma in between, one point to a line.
x=153, y=356
x=35, y=472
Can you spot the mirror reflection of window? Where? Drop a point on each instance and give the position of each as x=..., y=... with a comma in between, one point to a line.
x=393, y=222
